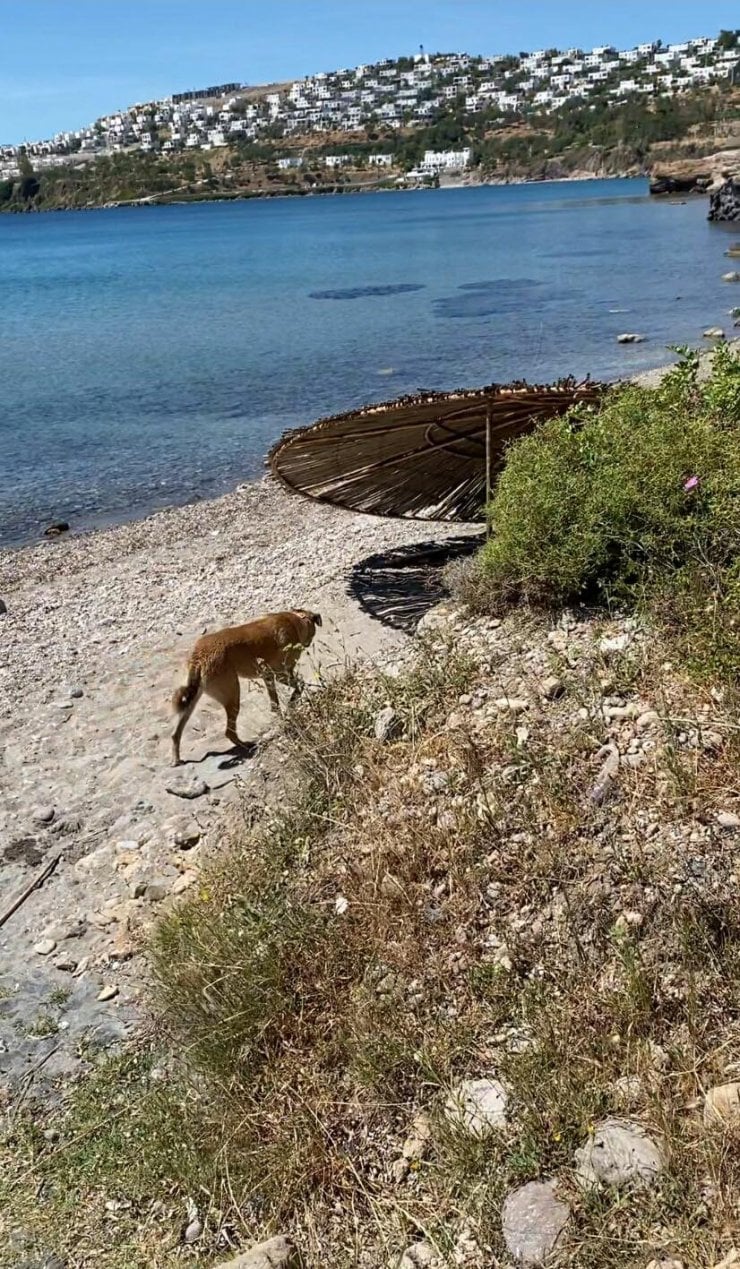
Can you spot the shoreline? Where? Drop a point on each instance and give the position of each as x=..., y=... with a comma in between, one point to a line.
x=152, y=200
x=109, y=522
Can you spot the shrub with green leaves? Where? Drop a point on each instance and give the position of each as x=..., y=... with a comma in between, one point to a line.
x=636, y=503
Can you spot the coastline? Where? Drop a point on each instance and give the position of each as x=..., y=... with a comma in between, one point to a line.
x=111, y=521
x=95, y=630
x=153, y=200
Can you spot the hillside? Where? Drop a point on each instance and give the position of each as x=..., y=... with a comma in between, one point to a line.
x=628, y=139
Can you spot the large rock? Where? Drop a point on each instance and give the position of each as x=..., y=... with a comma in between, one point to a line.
x=619, y=1152
x=277, y=1253
x=532, y=1220
x=724, y=203
x=478, y=1106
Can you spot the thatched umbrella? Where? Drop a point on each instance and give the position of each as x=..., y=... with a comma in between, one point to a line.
x=429, y=457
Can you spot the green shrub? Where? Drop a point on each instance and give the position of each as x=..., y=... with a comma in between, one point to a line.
x=639, y=502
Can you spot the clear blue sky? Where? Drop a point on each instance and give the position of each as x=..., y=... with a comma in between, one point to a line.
x=64, y=62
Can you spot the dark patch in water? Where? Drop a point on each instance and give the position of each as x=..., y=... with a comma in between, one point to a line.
x=484, y=299
x=503, y=286
x=361, y=292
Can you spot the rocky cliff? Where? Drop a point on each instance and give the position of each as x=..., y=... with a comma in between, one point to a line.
x=724, y=202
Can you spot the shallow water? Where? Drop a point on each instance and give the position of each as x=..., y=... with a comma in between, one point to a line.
x=151, y=355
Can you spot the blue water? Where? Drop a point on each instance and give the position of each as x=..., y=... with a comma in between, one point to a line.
x=148, y=356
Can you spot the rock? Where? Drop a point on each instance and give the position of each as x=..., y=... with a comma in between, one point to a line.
x=193, y=1231
x=628, y=1089
x=722, y=1104
x=184, y=882
x=55, y=530
x=714, y=332
x=387, y=724
x=552, y=688
x=420, y=1256
x=3, y=608
x=607, y=775
x=619, y=1152
x=647, y=720
x=44, y=815
x=631, y=338
x=417, y=1142
x=665, y=1264
x=157, y=890
x=511, y=705
x=277, y=1253
x=731, y=277
x=728, y=819
x=45, y=947
x=532, y=1219
x=617, y=643
x=186, y=835
x=75, y=693
x=185, y=787
x=724, y=201
x=478, y=1106
x=108, y=993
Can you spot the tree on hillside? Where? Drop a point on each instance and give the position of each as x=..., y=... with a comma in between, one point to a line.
x=29, y=186
x=728, y=39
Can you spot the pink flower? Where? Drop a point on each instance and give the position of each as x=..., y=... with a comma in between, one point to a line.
x=691, y=483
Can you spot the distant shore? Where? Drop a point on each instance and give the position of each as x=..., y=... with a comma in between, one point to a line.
x=244, y=196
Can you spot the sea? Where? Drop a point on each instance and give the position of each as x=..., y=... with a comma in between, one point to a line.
x=150, y=356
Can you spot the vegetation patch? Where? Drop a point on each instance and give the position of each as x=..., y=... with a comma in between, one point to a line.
x=638, y=504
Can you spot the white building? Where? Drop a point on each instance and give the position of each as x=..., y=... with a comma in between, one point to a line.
x=446, y=160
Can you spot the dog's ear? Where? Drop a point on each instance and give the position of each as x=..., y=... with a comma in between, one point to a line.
x=316, y=618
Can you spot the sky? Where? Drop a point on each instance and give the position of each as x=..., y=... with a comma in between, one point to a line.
x=65, y=62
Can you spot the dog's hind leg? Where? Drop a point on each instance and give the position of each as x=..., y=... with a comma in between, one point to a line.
x=225, y=690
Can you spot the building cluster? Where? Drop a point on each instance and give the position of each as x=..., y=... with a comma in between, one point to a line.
x=398, y=94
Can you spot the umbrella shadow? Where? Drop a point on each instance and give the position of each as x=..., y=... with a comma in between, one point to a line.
x=398, y=587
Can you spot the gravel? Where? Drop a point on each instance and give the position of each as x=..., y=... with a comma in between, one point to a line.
x=101, y=624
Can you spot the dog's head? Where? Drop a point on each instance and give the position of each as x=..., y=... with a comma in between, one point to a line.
x=312, y=621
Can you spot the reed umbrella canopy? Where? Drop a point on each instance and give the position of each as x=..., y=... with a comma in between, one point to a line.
x=433, y=456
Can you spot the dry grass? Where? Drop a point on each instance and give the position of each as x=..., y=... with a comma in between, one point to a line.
x=447, y=904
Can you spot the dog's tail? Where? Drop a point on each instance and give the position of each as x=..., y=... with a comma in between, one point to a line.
x=185, y=695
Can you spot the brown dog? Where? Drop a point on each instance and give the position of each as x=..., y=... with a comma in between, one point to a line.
x=268, y=648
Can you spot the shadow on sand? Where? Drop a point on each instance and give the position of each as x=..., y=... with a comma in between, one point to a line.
x=398, y=587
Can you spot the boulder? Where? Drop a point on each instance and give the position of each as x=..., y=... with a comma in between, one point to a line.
x=619, y=1152
x=57, y=529
x=630, y=337
x=714, y=332
x=532, y=1220
x=724, y=202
